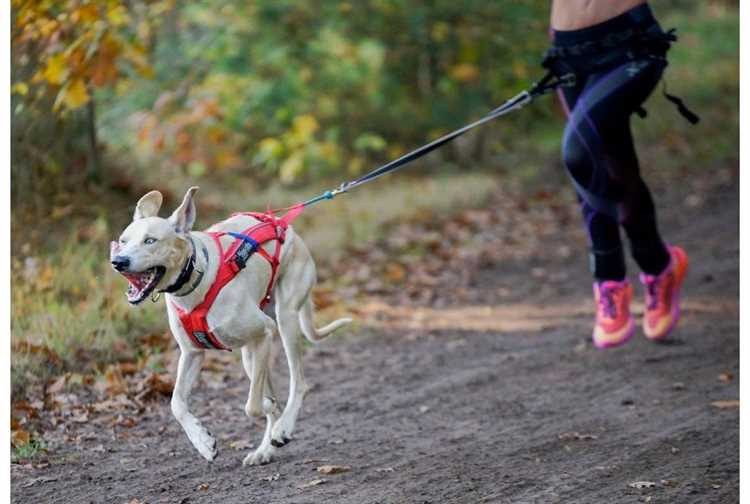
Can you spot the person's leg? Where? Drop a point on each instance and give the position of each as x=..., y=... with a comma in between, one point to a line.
x=583, y=158
x=636, y=211
x=600, y=158
x=602, y=162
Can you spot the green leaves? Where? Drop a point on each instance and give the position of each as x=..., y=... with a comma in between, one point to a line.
x=275, y=89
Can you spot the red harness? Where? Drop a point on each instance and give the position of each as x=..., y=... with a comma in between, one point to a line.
x=233, y=260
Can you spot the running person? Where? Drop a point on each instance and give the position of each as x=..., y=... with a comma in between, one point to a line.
x=616, y=50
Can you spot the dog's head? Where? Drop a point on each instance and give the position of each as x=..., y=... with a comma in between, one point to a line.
x=152, y=251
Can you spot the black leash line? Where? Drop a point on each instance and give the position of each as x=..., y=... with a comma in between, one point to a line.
x=547, y=84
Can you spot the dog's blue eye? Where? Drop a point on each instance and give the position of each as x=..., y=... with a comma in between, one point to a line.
x=149, y=241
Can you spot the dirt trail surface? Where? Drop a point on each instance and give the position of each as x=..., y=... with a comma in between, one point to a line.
x=497, y=398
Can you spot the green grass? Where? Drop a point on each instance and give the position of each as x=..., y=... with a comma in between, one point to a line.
x=70, y=304
x=28, y=451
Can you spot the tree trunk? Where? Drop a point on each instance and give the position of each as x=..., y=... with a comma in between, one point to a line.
x=93, y=172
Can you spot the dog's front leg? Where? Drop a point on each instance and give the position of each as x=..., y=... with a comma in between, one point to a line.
x=187, y=371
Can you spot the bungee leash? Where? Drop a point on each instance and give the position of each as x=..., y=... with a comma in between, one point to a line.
x=548, y=83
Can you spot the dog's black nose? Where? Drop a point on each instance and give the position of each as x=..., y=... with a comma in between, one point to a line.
x=121, y=263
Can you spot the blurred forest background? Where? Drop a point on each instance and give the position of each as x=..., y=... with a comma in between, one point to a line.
x=272, y=101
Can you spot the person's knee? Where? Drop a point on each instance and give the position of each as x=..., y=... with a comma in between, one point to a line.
x=577, y=159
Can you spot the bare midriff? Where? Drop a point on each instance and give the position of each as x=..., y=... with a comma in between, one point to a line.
x=576, y=14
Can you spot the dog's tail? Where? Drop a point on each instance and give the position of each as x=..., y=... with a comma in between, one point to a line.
x=308, y=328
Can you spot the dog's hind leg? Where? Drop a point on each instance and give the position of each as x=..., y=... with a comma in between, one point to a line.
x=188, y=368
x=291, y=292
x=291, y=339
x=261, y=400
x=294, y=316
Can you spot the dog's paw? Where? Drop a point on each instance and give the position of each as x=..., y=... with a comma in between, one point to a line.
x=262, y=455
x=204, y=442
x=281, y=433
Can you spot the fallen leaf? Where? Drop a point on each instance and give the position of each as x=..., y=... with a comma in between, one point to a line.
x=59, y=384
x=203, y=487
x=48, y=353
x=20, y=438
x=113, y=383
x=313, y=483
x=395, y=272
x=42, y=479
x=726, y=377
x=81, y=417
x=313, y=461
x=116, y=403
x=241, y=445
x=726, y=404
x=128, y=368
x=642, y=484
x=333, y=469
x=126, y=422
x=576, y=436
x=154, y=385
x=23, y=408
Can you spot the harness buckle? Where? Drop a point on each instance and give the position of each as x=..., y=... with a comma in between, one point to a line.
x=243, y=254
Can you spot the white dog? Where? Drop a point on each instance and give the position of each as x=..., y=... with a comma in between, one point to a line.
x=164, y=255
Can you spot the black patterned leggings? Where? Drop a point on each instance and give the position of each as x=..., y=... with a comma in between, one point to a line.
x=600, y=157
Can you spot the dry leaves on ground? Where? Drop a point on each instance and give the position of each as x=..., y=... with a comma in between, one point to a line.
x=642, y=484
x=333, y=469
x=726, y=404
x=312, y=483
x=576, y=436
x=726, y=377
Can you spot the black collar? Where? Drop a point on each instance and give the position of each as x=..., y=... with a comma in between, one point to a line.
x=187, y=272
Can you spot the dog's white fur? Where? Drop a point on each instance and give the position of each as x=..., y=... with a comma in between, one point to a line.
x=235, y=317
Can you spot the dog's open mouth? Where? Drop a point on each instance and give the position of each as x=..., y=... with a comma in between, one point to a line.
x=143, y=283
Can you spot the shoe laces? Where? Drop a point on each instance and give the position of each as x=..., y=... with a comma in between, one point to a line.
x=608, y=300
x=656, y=286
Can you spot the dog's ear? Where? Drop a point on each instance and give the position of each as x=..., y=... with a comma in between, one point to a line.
x=184, y=217
x=148, y=205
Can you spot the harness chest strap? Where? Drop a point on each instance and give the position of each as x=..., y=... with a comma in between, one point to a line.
x=232, y=261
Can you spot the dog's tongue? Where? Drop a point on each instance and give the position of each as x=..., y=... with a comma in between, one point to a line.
x=136, y=279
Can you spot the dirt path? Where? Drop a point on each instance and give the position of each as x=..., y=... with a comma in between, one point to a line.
x=498, y=399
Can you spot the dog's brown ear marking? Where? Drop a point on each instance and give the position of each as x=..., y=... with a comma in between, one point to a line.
x=148, y=205
x=183, y=217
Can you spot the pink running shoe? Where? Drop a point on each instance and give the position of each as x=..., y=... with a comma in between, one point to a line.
x=614, y=324
x=663, y=296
